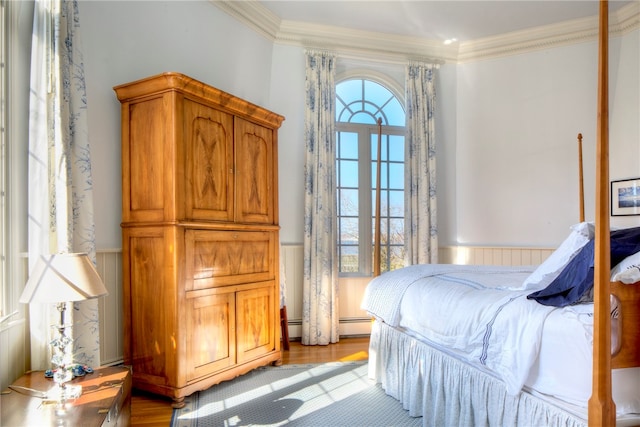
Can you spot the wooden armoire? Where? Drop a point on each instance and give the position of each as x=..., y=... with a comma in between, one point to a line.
x=199, y=234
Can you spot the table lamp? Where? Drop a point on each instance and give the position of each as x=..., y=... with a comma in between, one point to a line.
x=60, y=279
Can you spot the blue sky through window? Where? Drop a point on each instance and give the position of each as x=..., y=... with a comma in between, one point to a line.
x=363, y=101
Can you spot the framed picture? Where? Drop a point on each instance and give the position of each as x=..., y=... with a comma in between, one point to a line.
x=625, y=197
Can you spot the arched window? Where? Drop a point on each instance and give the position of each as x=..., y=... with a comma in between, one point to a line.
x=359, y=104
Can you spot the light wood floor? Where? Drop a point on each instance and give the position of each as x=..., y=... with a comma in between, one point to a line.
x=151, y=410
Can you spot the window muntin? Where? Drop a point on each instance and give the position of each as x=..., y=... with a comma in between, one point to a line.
x=359, y=104
x=363, y=101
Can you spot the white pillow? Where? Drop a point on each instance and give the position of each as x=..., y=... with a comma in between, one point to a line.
x=628, y=271
x=587, y=229
x=552, y=266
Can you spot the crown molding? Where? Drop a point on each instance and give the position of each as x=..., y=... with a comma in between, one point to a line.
x=395, y=48
x=628, y=19
x=253, y=14
x=533, y=39
x=625, y=20
x=364, y=44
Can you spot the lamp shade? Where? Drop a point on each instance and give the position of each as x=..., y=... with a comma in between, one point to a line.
x=63, y=278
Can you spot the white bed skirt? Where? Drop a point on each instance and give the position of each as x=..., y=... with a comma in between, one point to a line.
x=447, y=392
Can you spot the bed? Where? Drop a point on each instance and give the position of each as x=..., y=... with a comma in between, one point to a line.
x=463, y=345
x=555, y=345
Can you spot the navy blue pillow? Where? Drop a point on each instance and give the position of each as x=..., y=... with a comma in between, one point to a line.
x=576, y=279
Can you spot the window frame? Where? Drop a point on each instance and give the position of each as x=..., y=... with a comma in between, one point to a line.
x=366, y=200
x=4, y=291
x=17, y=20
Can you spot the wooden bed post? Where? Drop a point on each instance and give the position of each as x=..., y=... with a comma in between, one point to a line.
x=376, y=239
x=581, y=177
x=602, y=409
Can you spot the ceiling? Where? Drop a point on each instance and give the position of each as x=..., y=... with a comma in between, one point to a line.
x=437, y=20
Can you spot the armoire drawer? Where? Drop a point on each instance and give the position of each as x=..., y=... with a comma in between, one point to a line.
x=221, y=258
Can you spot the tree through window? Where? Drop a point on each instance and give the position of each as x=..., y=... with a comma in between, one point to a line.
x=359, y=104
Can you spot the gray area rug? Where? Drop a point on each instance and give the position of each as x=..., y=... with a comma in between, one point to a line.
x=330, y=394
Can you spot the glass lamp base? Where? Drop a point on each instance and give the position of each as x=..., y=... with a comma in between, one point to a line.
x=64, y=392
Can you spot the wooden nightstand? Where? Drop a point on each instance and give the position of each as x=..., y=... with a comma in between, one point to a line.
x=105, y=401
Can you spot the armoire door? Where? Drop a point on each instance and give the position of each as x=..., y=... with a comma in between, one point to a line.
x=210, y=334
x=208, y=136
x=256, y=321
x=254, y=173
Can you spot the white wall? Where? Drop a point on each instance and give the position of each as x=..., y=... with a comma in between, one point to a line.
x=129, y=40
x=288, y=88
x=624, y=127
x=516, y=169
x=517, y=121
x=446, y=148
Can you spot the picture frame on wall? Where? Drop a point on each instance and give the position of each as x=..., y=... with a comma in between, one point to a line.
x=625, y=197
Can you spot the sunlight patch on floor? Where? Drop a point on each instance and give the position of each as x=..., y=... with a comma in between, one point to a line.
x=355, y=357
x=329, y=391
x=312, y=397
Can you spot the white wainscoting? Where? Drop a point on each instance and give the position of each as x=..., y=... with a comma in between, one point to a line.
x=109, y=266
x=14, y=337
x=14, y=347
x=353, y=320
x=486, y=255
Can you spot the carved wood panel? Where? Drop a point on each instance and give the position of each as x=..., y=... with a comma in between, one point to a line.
x=211, y=340
x=220, y=258
x=255, y=322
x=144, y=171
x=254, y=173
x=209, y=162
x=152, y=352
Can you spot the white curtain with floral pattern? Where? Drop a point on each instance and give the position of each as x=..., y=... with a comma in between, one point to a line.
x=421, y=228
x=320, y=315
x=60, y=200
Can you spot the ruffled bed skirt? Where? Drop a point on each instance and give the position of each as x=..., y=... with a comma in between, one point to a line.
x=447, y=392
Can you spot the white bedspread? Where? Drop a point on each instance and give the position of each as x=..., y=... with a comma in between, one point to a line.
x=479, y=312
